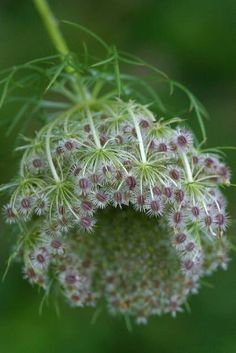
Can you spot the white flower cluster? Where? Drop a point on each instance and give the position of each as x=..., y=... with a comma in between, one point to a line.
x=149, y=197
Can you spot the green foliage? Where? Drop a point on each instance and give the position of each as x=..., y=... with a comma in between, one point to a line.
x=34, y=85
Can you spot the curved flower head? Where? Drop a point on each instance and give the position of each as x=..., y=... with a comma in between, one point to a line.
x=154, y=210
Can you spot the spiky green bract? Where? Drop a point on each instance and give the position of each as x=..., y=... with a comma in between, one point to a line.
x=28, y=89
x=101, y=154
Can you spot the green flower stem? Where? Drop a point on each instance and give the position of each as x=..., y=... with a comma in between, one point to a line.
x=52, y=27
x=139, y=136
x=93, y=128
x=49, y=157
x=187, y=168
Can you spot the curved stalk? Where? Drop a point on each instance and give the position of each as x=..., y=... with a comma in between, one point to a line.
x=187, y=168
x=49, y=157
x=139, y=136
x=51, y=25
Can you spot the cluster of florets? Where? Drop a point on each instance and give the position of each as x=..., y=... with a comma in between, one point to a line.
x=92, y=160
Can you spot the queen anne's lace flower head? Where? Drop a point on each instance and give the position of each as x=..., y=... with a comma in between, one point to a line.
x=145, y=192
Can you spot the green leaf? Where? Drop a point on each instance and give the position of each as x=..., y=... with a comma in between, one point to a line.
x=117, y=70
x=104, y=62
x=17, y=118
x=7, y=186
x=196, y=106
x=5, y=87
x=86, y=30
x=133, y=60
x=55, y=76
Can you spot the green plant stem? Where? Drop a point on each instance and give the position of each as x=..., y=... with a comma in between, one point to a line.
x=187, y=168
x=51, y=25
x=57, y=39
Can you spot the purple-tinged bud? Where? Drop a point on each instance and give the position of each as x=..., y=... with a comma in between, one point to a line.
x=179, y=241
x=102, y=139
x=195, y=160
x=176, y=219
x=84, y=184
x=224, y=173
x=155, y=208
x=63, y=224
x=59, y=150
x=195, y=211
x=75, y=170
x=117, y=198
x=183, y=139
x=180, y=238
x=37, y=163
x=10, y=214
x=118, y=175
x=29, y=274
x=25, y=206
x=119, y=139
x=140, y=200
x=188, y=265
x=190, y=246
x=25, y=203
x=174, y=174
x=221, y=220
x=56, y=247
x=94, y=178
x=167, y=191
x=209, y=162
x=162, y=147
x=87, y=223
x=87, y=128
x=107, y=171
x=69, y=145
x=131, y=182
x=86, y=206
x=76, y=300
x=157, y=191
x=56, y=244
x=40, y=205
x=179, y=195
x=173, y=147
x=100, y=199
x=208, y=220
x=40, y=258
x=144, y=124
x=70, y=279
x=61, y=210
x=128, y=165
x=76, y=209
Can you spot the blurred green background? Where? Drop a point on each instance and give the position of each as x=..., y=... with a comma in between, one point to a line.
x=195, y=43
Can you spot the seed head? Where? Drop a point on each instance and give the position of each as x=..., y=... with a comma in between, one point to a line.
x=153, y=195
